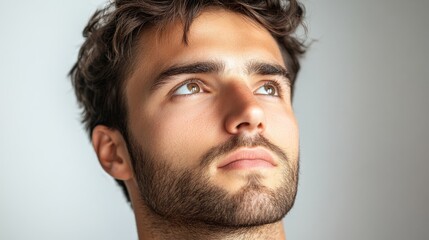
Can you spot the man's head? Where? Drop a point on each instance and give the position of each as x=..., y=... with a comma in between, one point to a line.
x=189, y=104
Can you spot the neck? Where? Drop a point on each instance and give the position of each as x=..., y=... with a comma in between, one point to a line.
x=151, y=226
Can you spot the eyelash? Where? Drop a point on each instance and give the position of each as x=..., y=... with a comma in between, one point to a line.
x=274, y=82
x=197, y=81
x=277, y=84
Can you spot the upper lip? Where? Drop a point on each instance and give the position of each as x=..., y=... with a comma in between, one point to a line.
x=257, y=153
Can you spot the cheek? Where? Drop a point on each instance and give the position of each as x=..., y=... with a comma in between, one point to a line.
x=282, y=130
x=179, y=135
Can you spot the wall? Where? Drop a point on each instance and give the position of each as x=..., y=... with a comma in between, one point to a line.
x=360, y=100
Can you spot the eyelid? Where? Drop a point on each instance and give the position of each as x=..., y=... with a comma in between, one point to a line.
x=181, y=84
x=276, y=83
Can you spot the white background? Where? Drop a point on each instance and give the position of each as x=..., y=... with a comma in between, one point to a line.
x=361, y=100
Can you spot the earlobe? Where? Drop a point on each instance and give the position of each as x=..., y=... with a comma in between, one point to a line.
x=112, y=152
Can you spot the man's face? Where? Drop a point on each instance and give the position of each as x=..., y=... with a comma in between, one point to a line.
x=212, y=131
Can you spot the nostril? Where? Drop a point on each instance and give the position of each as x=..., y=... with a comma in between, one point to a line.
x=244, y=115
x=243, y=125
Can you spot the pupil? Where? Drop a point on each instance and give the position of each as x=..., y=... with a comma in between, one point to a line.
x=192, y=87
x=269, y=90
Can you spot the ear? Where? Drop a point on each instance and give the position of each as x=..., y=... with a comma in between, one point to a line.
x=112, y=152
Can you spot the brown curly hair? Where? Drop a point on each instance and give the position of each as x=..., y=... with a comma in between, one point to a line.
x=106, y=56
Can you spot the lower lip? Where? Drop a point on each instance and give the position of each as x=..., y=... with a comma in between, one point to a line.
x=247, y=164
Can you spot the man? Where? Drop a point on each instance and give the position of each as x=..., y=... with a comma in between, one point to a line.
x=188, y=106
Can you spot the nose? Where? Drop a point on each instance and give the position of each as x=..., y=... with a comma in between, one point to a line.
x=244, y=115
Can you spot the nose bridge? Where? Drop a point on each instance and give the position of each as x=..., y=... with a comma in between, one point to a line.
x=240, y=93
x=243, y=112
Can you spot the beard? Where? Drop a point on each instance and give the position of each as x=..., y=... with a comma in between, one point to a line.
x=188, y=196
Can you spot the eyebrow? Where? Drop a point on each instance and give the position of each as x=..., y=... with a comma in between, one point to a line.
x=193, y=68
x=253, y=67
x=263, y=68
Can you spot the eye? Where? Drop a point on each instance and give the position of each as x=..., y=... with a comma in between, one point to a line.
x=269, y=88
x=188, y=88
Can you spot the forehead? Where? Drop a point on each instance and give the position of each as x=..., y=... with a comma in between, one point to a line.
x=215, y=33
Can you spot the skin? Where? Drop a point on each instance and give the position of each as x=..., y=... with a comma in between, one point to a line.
x=181, y=128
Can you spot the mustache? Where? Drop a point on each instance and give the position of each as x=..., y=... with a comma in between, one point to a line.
x=236, y=142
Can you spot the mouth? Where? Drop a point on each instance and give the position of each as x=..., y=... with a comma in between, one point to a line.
x=248, y=158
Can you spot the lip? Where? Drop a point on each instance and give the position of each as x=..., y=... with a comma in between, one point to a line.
x=248, y=158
